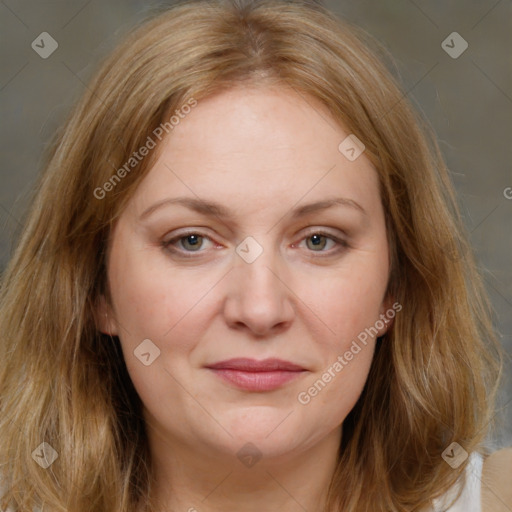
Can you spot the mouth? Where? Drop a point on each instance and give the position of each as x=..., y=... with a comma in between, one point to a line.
x=254, y=375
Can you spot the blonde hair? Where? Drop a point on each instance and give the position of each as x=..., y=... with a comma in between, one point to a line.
x=434, y=375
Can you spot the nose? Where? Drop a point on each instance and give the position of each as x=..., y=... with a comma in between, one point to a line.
x=259, y=300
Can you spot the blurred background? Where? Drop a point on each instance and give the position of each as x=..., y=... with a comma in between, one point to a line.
x=462, y=83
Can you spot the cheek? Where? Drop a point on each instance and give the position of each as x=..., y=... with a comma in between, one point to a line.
x=341, y=382
x=151, y=304
x=150, y=299
x=350, y=305
x=329, y=396
x=349, y=302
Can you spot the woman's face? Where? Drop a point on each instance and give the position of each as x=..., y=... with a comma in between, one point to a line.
x=242, y=272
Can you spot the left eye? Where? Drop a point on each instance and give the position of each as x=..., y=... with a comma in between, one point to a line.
x=317, y=242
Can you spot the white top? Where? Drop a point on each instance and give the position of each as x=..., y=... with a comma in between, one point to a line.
x=470, y=499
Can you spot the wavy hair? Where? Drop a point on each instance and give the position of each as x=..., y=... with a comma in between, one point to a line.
x=434, y=375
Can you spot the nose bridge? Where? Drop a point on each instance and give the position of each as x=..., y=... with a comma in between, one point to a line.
x=257, y=296
x=256, y=267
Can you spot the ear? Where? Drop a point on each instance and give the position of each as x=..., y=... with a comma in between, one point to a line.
x=388, y=311
x=105, y=320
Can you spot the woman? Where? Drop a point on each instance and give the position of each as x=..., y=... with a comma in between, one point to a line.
x=241, y=287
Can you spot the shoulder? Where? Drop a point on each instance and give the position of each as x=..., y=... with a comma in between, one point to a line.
x=497, y=482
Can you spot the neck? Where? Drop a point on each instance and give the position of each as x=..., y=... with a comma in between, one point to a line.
x=187, y=479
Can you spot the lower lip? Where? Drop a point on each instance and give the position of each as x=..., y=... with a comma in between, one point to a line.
x=258, y=381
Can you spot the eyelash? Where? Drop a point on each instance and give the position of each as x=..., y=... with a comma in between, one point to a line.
x=168, y=244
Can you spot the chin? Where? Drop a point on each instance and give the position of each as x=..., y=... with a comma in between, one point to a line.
x=273, y=431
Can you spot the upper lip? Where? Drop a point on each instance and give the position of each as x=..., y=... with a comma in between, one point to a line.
x=254, y=365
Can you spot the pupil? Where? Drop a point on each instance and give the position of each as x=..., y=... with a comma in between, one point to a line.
x=192, y=241
x=317, y=241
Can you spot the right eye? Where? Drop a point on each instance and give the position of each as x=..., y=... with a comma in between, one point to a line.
x=186, y=242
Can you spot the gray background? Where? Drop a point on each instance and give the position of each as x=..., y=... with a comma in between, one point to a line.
x=468, y=101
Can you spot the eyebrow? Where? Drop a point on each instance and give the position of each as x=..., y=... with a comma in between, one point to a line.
x=211, y=208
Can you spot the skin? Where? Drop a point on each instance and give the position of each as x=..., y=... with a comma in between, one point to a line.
x=496, y=480
x=261, y=153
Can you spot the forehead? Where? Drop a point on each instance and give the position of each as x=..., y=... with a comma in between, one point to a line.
x=255, y=147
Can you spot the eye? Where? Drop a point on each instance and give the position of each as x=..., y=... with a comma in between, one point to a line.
x=322, y=242
x=186, y=243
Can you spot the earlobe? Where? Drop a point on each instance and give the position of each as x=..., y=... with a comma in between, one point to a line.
x=388, y=312
x=105, y=322
x=388, y=324
x=383, y=324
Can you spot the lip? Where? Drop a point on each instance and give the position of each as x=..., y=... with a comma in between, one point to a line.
x=257, y=375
